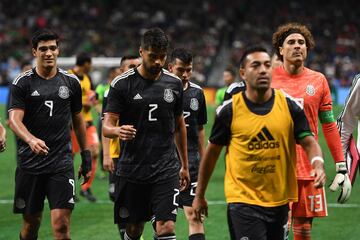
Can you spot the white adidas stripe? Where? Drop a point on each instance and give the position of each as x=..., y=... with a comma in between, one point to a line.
x=122, y=76
x=195, y=85
x=234, y=85
x=170, y=74
x=21, y=75
x=219, y=108
x=66, y=73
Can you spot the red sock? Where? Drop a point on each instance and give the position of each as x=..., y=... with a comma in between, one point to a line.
x=302, y=228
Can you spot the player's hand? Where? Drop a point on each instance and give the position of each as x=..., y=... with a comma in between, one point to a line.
x=126, y=132
x=85, y=168
x=184, y=179
x=38, y=146
x=92, y=98
x=342, y=180
x=108, y=164
x=200, y=208
x=318, y=172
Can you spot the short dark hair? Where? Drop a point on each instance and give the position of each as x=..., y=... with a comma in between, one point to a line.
x=111, y=70
x=231, y=71
x=283, y=31
x=155, y=38
x=128, y=57
x=181, y=53
x=44, y=35
x=25, y=63
x=82, y=58
x=249, y=50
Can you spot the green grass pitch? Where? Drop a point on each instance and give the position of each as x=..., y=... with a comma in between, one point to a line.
x=95, y=221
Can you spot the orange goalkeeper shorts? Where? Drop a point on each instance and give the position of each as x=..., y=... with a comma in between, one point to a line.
x=92, y=138
x=312, y=201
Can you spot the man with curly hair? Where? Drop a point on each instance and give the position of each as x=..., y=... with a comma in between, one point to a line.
x=292, y=42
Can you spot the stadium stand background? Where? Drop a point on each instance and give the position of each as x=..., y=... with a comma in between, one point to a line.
x=215, y=30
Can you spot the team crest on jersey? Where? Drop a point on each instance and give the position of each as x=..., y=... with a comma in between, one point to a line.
x=194, y=104
x=310, y=90
x=64, y=92
x=168, y=95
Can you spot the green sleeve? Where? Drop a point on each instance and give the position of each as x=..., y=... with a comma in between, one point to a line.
x=326, y=117
x=219, y=97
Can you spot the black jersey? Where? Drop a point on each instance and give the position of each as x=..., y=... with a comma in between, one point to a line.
x=195, y=115
x=48, y=107
x=234, y=88
x=151, y=106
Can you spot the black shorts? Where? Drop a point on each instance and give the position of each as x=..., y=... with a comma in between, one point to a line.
x=31, y=190
x=112, y=181
x=135, y=203
x=255, y=222
x=187, y=196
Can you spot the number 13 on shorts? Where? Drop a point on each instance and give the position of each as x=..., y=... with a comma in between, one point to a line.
x=316, y=203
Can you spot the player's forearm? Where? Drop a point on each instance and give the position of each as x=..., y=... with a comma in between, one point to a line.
x=311, y=147
x=105, y=146
x=207, y=165
x=109, y=127
x=80, y=130
x=20, y=130
x=333, y=141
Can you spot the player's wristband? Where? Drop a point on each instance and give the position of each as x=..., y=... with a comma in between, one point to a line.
x=317, y=158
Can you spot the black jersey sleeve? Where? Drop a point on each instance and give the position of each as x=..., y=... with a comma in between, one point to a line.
x=301, y=124
x=179, y=105
x=234, y=88
x=18, y=94
x=221, y=133
x=227, y=96
x=202, y=117
x=76, y=98
x=116, y=100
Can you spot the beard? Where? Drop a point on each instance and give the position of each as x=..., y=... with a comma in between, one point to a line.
x=152, y=70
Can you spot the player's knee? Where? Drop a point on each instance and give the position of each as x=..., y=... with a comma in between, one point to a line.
x=134, y=230
x=61, y=226
x=165, y=227
x=192, y=219
x=31, y=226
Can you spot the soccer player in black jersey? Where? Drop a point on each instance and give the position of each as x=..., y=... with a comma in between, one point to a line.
x=2, y=138
x=260, y=127
x=195, y=116
x=148, y=102
x=111, y=147
x=43, y=102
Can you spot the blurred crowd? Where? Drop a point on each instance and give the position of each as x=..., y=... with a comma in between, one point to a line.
x=112, y=28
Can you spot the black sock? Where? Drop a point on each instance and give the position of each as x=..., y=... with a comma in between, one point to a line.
x=122, y=233
x=197, y=236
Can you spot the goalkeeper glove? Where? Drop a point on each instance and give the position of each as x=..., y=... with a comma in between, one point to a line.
x=85, y=168
x=341, y=180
